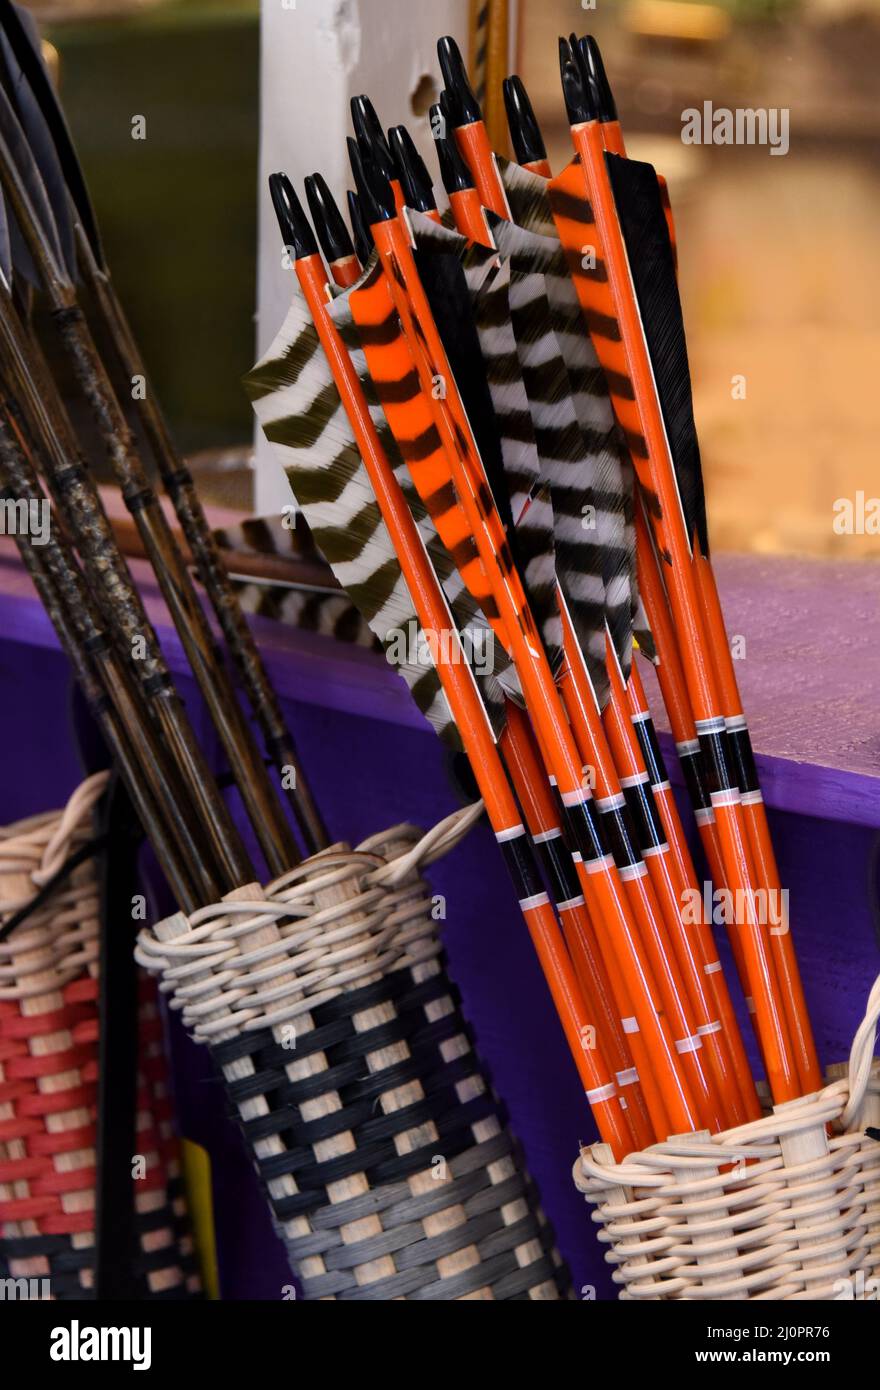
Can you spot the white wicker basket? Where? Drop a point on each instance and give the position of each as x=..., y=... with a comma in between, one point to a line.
x=787, y=1207
x=353, y=1075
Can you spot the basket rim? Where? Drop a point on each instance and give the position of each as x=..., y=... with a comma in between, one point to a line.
x=656, y=1166
x=836, y=1104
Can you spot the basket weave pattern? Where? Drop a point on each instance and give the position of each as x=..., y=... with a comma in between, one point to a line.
x=49, y=1035
x=352, y=1073
x=787, y=1207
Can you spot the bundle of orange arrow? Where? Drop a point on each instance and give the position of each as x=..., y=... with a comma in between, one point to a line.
x=486, y=419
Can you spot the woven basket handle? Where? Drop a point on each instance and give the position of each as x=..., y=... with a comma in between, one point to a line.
x=429, y=847
x=861, y=1055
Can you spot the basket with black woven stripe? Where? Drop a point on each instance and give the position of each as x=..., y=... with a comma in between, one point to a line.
x=382, y=1148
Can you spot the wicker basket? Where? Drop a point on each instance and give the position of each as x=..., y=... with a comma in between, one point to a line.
x=49, y=1034
x=787, y=1207
x=352, y=1074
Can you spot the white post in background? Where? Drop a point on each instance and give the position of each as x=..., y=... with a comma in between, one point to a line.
x=317, y=55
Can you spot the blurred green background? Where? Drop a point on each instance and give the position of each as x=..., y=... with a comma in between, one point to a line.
x=177, y=209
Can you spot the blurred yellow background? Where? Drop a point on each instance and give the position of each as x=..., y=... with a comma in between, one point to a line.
x=778, y=254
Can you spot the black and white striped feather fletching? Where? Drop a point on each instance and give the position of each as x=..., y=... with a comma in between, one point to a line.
x=298, y=407
x=297, y=404
x=542, y=430
x=329, y=612
x=566, y=465
x=530, y=494
x=527, y=493
x=531, y=210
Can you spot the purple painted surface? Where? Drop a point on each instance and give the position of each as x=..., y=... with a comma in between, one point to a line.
x=809, y=675
x=374, y=763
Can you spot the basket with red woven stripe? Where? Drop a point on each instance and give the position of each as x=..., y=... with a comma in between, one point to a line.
x=49, y=1066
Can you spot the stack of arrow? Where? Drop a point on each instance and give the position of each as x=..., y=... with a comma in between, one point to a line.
x=486, y=419
x=51, y=260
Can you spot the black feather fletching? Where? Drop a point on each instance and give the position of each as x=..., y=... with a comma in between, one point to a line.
x=444, y=284
x=652, y=266
x=459, y=284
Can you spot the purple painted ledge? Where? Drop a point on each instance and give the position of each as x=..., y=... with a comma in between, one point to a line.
x=809, y=674
x=809, y=677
